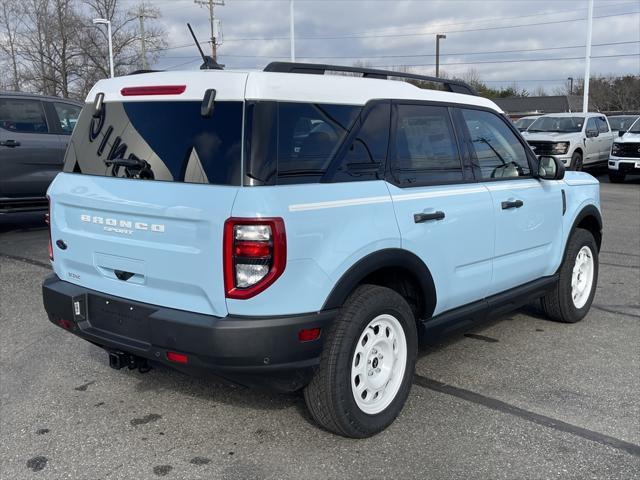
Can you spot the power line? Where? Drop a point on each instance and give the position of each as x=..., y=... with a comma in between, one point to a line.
x=358, y=57
x=509, y=61
x=422, y=34
x=543, y=49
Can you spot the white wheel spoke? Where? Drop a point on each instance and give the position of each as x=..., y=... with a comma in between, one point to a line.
x=582, y=277
x=378, y=364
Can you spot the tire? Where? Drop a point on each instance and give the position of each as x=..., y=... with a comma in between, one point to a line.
x=615, y=177
x=561, y=304
x=331, y=395
x=576, y=162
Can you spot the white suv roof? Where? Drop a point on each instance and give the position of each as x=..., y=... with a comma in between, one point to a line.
x=291, y=87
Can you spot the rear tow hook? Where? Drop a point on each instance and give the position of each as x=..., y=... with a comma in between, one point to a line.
x=119, y=360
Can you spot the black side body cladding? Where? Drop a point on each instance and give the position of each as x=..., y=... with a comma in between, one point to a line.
x=392, y=257
x=469, y=315
x=590, y=219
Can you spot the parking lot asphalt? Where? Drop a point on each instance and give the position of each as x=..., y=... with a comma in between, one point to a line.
x=519, y=397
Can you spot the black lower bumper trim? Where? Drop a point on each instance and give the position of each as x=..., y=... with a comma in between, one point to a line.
x=256, y=351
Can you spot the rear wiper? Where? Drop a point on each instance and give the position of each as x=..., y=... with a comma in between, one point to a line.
x=134, y=167
x=136, y=163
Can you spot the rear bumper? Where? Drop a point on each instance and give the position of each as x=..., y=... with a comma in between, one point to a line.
x=254, y=351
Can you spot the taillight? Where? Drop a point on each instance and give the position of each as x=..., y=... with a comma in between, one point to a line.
x=255, y=254
x=47, y=219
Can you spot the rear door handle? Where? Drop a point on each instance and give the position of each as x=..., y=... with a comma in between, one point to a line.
x=512, y=204
x=10, y=143
x=425, y=217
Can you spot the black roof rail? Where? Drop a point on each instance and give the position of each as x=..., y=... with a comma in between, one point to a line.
x=454, y=86
x=138, y=72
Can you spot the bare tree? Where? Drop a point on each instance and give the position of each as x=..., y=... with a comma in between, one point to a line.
x=9, y=25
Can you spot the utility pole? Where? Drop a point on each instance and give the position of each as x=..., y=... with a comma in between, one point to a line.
x=210, y=4
x=587, y=60
x=438, y=37
x=141, y=16
x=292, y=34
x=570, y=85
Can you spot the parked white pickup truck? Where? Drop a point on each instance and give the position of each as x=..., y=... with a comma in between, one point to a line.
x=625, y=154
x=576, y=139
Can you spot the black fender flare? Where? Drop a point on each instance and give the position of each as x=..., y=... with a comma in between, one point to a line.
x=588, y=211
x=390, y=257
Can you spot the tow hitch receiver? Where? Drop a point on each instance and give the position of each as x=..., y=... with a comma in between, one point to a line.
x=119, y=360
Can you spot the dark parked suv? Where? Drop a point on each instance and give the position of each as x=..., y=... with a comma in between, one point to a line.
x=34, y=132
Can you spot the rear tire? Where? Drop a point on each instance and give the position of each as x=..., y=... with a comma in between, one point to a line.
x=571, y=298
x=615, y=177
x=366, y=366
x=576, y=162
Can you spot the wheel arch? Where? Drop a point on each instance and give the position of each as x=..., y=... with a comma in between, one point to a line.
x=395, y=268
x=590, y=219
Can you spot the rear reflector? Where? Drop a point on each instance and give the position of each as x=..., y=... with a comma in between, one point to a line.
x=309, y=334
x=153, y=90
x=177, y=357
x=66, y=324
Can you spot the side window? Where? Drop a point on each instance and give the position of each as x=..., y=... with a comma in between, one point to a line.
x=365, y=156
x=67, y=115
x=309, y=136
x=602, y=125
x=498, y=152
x=425, y=149
x=21, y=115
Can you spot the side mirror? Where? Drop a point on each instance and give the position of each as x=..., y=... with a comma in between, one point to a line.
x=550, y=168
x=621, y=132
x=592, y=133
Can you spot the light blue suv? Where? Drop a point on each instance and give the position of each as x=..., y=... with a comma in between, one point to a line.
x=300, y=230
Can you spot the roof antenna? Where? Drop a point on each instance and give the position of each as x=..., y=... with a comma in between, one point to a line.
x=208, y=63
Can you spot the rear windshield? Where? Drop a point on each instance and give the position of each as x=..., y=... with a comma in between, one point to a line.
x=165, y=140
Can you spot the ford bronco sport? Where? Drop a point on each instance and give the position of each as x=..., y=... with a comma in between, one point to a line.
x=299, y=230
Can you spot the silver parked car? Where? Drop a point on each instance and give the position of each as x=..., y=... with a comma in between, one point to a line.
x=34, y=132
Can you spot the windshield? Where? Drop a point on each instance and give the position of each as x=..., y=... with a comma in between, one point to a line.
x=557, y=124
x=622, y=123
x=635, y=128
x=524, y=123
x=160, y=140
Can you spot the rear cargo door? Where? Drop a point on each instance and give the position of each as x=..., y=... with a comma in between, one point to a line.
x=148, y=184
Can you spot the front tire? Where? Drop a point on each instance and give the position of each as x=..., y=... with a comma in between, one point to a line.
x=367, y=364
x=571, y=298
x=576, y=162
x=615, y=177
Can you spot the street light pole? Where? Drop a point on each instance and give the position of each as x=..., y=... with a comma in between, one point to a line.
x=570, y=85
x=438, y=37
x=292, y=32
x=104, y=21
x=587, y=60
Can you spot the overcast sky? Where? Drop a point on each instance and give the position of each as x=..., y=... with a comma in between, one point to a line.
x=389, y=33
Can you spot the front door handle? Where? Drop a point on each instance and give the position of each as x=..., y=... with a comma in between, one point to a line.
x=425, y=217
x=512, y=204
x=10, y=143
